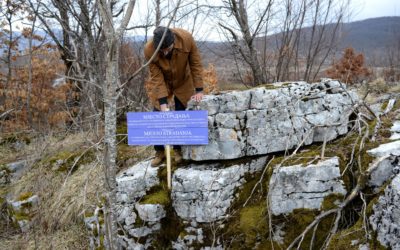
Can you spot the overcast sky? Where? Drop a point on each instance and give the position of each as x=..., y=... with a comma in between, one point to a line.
x=363, y=9
x=359, y=10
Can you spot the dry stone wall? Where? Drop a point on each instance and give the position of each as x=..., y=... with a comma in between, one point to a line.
x=244, y=129
x=266, y=120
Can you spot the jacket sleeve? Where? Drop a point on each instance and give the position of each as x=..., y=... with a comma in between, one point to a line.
x=196, y=67
x=156, y=75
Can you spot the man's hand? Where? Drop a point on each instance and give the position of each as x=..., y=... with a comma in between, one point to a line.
x=197, y=97
x=164, y=107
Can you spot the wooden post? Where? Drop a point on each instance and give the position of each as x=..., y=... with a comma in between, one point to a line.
x=168, y=153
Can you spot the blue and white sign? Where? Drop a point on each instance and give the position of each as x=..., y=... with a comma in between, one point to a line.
x=168, y=128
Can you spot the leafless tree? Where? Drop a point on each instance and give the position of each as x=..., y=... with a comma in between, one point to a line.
x=75, y=28
x=326, y=23
x=113, y=35
x=10, y=13
x=244, y=31
x=309, y=35
x=281, y=40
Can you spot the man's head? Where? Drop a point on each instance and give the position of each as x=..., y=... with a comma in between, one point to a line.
x=168, y=39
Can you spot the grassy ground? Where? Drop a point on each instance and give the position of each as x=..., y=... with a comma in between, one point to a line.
x=67, y=175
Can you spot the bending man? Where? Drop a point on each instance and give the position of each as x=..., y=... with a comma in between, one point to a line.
x=176, y=71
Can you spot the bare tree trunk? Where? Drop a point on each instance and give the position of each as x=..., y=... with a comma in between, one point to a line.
x=112, y=81
x=30, y=71
x=110, y=151
x=158, y=12
x=8, y=15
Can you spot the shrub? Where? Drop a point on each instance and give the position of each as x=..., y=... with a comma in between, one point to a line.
x=350, y=68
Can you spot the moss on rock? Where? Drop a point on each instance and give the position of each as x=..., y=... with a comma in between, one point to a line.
x=253, y=223
x=65, y=160
x=331, y=201
x=3, y=167
x=352, y=237
x=24, y=196
x=298, y=220
x=158, y=197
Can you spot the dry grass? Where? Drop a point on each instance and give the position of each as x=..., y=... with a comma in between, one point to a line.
x=376, y=89
x=40, y=146
x=74, y=237
x=64, y=197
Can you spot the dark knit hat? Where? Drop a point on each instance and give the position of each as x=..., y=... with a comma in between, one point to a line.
x=168, y=39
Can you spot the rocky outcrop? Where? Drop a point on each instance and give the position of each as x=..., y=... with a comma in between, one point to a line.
x=5, y=175
x=133, y=183
x=395, y=129
x=135, y=219
x=385, y=219
x=244, y=126
x=96, y=228
x=243, y=191
x=204, y=192
x=388, y=167
x=23, y=209
x=263, y=120
x=200, y=193
x=298, y=187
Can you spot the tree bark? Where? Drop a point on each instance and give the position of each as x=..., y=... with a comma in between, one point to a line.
x=113, y=37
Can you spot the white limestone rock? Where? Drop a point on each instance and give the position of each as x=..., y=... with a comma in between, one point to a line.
x=26, y=205
x=211, y=103
x=227, y=120
x=140, y=232
x=134, y=182
x=261, y=121
x=385, y=219
x=224, y=143
x=391, y=148
x=130, y=244
x=126, y=215
x=333, y=86
x=395, y=129
x=387, y=168
x=150, y=212
x=395, y=136
x=203, y=193
x=304, y=186
x=192, y=236
x=235, y=101
x=263, y=98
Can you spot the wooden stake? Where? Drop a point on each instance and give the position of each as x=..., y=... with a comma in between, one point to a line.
x=168, y=153
x=324, y=144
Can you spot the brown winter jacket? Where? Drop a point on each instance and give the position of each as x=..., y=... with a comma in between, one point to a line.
x=177, y=76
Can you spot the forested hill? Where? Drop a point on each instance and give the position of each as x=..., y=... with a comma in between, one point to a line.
x=372, y=34
x=374, y=37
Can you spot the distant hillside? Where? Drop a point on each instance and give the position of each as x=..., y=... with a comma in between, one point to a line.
x=371, y=37
x=371, y=34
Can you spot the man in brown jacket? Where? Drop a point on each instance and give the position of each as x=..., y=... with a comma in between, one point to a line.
x=175, y=71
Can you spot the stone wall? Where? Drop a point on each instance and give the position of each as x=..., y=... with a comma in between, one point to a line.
x=244, y=126
x=242, y=190
x=266, y=120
